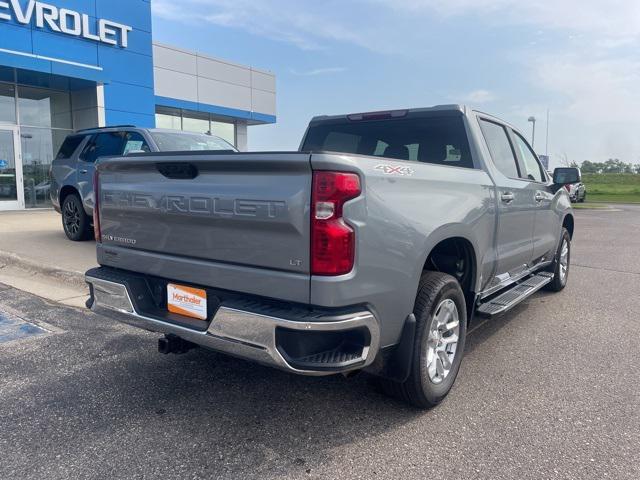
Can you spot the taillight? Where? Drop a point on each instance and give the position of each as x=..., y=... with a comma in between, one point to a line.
x=96, y=207
x=332, y=240
x=568, y=187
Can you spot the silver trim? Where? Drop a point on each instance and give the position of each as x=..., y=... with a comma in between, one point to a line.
x=541, y=279
x=515, y=279
x=442, y=342
x=236, y=332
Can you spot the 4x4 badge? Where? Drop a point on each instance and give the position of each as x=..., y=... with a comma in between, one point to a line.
x=388, y=169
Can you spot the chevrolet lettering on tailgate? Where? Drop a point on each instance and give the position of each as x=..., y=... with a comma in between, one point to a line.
x=195, y=204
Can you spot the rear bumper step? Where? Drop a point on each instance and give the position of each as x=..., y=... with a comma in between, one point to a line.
x=316, y=345
x=516, y=294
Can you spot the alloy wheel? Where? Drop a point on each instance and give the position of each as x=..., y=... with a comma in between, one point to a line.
x=442, y=342
x=564, y=261
x=72, y=217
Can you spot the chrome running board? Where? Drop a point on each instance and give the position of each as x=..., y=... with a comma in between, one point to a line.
x=514, y=295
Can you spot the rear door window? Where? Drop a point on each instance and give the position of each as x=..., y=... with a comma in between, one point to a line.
x=69, y=146
x=106, y=144
x=436, y=139
x=500, y=148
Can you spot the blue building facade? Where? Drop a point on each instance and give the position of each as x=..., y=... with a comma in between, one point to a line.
x=72, y=64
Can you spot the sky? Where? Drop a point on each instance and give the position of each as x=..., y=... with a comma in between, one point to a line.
x=578, y=59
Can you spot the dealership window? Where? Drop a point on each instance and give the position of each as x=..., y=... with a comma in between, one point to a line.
x=224, y=130
x=44, y=119
x=199, y=122
x=7, y=103
x=39, y=146
x=168, y=118
x=44, y=108
x=194, y=122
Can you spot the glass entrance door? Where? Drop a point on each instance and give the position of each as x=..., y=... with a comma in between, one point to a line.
x=11, y=191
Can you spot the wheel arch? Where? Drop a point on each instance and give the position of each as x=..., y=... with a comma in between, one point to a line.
x=568, y=223
x=444, y=254
x=66, y=191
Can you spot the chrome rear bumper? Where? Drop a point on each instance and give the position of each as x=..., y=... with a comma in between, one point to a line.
x=244, y=334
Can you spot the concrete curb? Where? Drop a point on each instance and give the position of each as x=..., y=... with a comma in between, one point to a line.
x=68, y=277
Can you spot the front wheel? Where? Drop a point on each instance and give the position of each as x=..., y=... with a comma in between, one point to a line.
x=561, y=263
x=441, y=327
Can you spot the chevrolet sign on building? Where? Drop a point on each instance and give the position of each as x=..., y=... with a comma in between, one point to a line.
x=72, y=64
x=65, y=21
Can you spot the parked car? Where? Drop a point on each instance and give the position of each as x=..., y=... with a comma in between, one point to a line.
x=577, y=192
x=368, y=249
x=72, y=170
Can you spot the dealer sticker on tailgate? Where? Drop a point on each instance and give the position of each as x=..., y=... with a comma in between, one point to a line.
x=188, y=301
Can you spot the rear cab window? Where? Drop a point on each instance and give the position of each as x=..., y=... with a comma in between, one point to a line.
x=436, y=138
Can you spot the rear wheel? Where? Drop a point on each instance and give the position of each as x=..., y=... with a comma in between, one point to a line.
x=441, y=327
x=561, y=264
x=75, y=222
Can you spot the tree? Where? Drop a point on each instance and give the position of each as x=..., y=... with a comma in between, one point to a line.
x=589, y=167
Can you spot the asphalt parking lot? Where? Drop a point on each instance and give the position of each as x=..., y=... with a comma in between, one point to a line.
x=549, y=390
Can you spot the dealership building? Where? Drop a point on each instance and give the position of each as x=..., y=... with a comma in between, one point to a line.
x=67, y=65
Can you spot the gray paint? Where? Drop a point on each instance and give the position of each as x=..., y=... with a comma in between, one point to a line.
x=398, y=221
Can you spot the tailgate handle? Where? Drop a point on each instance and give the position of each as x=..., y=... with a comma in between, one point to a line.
x=178, y=171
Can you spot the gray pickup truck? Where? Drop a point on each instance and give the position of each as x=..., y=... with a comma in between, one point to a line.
x=370, y=248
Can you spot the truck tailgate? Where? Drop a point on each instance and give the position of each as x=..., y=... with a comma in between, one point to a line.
x=232, y=212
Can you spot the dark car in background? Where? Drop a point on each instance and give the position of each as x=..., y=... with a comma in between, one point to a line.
x=72, y=170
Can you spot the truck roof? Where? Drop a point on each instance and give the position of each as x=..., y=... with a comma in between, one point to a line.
x=395, y=112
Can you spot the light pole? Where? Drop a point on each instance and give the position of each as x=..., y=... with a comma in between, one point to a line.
x=532, y=119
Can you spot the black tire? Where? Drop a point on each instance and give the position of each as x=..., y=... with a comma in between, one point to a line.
x=75, y=222
x=560, y=279
x=419, y=389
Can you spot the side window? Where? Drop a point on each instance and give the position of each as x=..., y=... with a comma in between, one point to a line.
x=134, y=141
x=103, y=145
x=531, y=165
x=69, y=146
x=500, y=148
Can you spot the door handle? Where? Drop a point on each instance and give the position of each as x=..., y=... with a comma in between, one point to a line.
x=539, y=197
x=83, y=171
x=507, y=197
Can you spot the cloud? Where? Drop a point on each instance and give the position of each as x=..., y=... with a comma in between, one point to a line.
x=615, y=19
x=577, y=57
x=307, y=26
x=317, y=71
x=478, y=97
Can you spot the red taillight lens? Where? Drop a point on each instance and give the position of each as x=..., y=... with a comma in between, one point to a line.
x=568, y=187
x=332, y=240
x=96, y=207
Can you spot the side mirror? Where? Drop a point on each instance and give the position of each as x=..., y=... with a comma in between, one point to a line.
x=566, y=175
